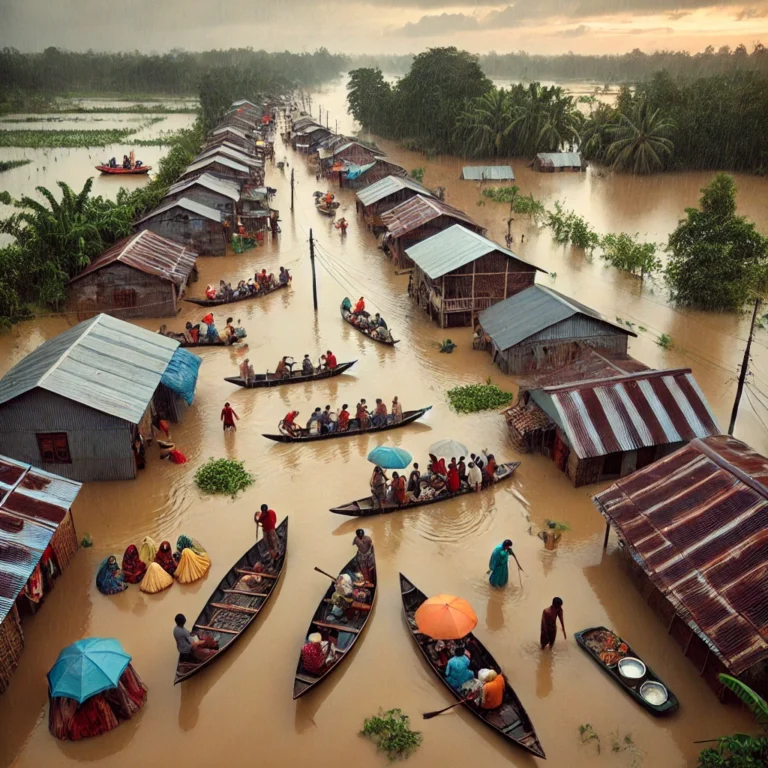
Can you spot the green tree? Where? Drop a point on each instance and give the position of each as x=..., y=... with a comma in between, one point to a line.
x=640, y=141
x=369, y=96
x=596, y=132
x=487, y=123
x=717, y=259
x=625, y=252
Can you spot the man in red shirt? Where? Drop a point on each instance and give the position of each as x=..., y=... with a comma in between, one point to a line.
x=267, y=519
x=289, y=423
x=330, y=360
x=228, y=416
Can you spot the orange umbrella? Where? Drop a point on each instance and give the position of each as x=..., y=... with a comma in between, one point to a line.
x=445, y=617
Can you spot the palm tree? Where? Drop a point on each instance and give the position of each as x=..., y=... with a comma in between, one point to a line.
x=560, y=126
x=595, y=132
x=488, y=123
x=640, y=143
x=754, y=702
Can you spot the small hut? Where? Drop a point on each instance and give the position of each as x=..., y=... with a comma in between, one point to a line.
x=354, y=152
x=212, y=191
x=556, y=162
x=78, y=403
x=189, y=222
x=360, y=176
x=602, y=430
x=37, y=542
x=540, y=329
x=419, y=218
x=255, y=164
x=458, y=272
x=218, y=165
x=693, y=529
x=144, y=275
x=487, y=173
x=234, y=135
x=385, y=194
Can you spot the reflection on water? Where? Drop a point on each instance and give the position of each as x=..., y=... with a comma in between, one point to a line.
x=245, y=698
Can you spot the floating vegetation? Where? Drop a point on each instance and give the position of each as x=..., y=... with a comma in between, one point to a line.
x=74, y=139
x=391, y=732
x=417, y=174
x=223, y=476
x=86, y=542
x=589, y=735
x=478, y=397
x=665, y=341
x=8, y=165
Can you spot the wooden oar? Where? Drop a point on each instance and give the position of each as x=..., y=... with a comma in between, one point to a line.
x=430, y=715
x=332, y=578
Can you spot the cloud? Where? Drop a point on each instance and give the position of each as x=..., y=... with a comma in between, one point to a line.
x=579, y=31
x=435, y=26
x=505, y=18
x=677, y=15
x=751, y=13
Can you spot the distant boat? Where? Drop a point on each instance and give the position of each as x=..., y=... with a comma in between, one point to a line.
x=120, y=169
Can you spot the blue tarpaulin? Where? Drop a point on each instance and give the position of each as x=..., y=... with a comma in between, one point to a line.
x=181, y=374
x=358, y=170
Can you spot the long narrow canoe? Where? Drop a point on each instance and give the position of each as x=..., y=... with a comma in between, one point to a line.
x=120, y=171
x=270, y=380
x=237, y=601
x=219, y=302
x=366, y=507
x=510, y=719
x=368, y=333
x=408, y=418
x=670, y=705
x=346, y=634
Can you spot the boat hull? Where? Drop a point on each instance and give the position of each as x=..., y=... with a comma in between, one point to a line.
x=261, y=380
x=109, y=171
x=221, y=302
x=366, y=333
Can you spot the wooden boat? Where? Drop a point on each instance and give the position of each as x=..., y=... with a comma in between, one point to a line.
x=510, y=719
x=270, y=380
x=408, y=418
x=234, y=605
x=219, y=302
x=208, y=343
x=367, y=333
x=126, y=171
x=348, y=634
x=670, y=705
x=365, y=507
x=327, y=210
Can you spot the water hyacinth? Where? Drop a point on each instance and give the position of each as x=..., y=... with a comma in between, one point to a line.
x=223, y=476
x=478, y=397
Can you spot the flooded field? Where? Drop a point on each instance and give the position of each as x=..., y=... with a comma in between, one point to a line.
x=241, y=709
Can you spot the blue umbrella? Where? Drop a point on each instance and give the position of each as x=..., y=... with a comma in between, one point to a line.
x=88, y=667
x=390, y=458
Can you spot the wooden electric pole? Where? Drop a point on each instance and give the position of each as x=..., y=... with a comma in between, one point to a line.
x=312, y=261
x=744, y=370
x=291, y=190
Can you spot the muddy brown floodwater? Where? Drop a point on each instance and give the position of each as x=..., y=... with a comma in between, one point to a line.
x=241, y=710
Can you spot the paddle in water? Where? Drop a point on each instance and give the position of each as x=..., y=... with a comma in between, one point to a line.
x=430, y=715
x=332, y=578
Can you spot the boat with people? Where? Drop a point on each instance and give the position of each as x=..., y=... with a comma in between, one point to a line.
x=261, y=284
x=197, y=335
x=238, y=600
x=369, y=505
x=617, y=659
x=302, y=435
x=259, y=380
x=119, y=170
x=326, y=210
x=373, y=327
x=337, y=624
x=510, y=719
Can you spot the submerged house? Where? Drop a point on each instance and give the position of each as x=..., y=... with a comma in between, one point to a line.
x=37, y=542
x=354, y=152
x=609, y=428
x=487, y=173
x=254, y=163
x=360, y=176
x=693, y=529
x=419, y=218
x=189, y=222
x=458, y=272
x=212, y=191
x=144, y=275
x=220, y=166
x=78, y=403
x=385, y=194
x=540, y=329
x=233, y=135
x=555, y=162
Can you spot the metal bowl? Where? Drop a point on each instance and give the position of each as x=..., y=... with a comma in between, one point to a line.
x=654, y=693
x=631, y=668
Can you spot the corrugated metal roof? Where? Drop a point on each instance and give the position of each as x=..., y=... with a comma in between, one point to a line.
x=221, y=160
x=232, y=154
x=209, y=146
x=104, y=363
x=488, y=173
x=149, y=253
x=315, y=128
x=32, y=504
x=242, y=102
x=453, y=248
x=531, y=311
x=697, y=522
x=561, y=159
x=388, y=186
x=590, y=365
x=230, y=129
x=188, y=205
x=637, y=410
x=229, y=189
x=417, y=211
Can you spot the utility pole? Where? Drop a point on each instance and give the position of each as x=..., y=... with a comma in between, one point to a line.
x=312, y=261
x=291, y=190
x=326, y=119
x=744, y=369
x=320, y=114
x=337, y=127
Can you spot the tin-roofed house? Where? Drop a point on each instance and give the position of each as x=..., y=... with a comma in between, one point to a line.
x=78, y=403
x=212, y=191
x=234, y=135
x=541, y=329
x=606, y=429
x=144, y=275
x=385, y=194
x=457, y=273
x=416, y=219
x=693, y=528
x=360, y=176
x=557, y=162
x=355, y=152
x=37, y=542
x=189, y=222
x=487, y=173
x=254, y=164
x=219, y=166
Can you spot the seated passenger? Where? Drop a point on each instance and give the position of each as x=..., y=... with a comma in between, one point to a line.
x=457, y=671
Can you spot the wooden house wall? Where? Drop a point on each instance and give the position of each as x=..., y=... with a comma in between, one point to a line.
x=11, y=646
x=543, y=167
x=103, y=291
x=355, y=154
x=207, y=197
x=99, y=444
x=202, y=235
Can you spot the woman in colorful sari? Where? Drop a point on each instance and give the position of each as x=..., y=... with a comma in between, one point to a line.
x=109, y=579
x=187, y=542
x=453, y=483
x=398, y=488
x=164, y=558
x=499, y=568
x=133, y=568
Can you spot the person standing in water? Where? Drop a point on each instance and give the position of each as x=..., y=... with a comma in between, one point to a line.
x=551, y=535
x=498, y=566
x=549, y=617
x=364, y=560
x=228, y=416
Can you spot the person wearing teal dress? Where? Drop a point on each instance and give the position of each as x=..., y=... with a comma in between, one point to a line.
x=499, y=568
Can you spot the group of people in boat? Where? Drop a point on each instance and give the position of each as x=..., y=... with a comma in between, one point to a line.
x=128, y=163
x=440, y=479
x=284, y=369
x=206, y=332
x=327, y=421
x=260, y=282
x=375, y=326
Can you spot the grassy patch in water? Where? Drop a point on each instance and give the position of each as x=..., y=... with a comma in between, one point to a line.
x=391, y=733
x=223, y=476
x=478, y=397
x=71, y=139
x=8, y=165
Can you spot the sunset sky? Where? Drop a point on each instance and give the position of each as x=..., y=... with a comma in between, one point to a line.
x=373, y=26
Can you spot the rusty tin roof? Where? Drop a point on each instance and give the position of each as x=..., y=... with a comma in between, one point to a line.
x=416, y=212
